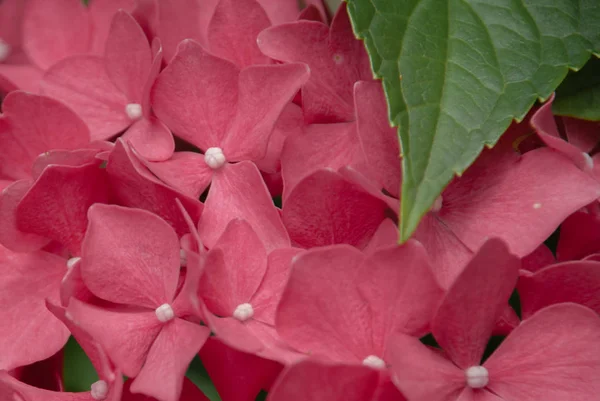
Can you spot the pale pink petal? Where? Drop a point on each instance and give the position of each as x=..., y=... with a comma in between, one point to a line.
x=237, y=191
x=126, y=336
x=233, y=30
x=128, y=57
x=321, y=210
x=144, y=271
x=196, y=95
x=164, y=370
x=551, y=355
x=101, y=14
x=264, y=91
x=321, y=311
x=185, y=171
x=579, y=236
x=151, y=139
x=32, y=124
x=81, y=82
x=54, y=30
x=29, y=332
x=465, y=319
x=541, y=257
x=311, y=380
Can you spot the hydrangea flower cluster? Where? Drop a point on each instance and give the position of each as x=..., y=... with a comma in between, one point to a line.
x=219, y=177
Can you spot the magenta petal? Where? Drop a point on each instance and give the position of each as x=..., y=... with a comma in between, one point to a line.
x=126, y=336
x=128, y=57
x=238, y=191
x=226, y=365
x=387, y=235
x=30, y=125
x=582, y=133
x=196, y=95
x=577, y=282
x=553, y=355
x=29, y=332
x=579, y=236
x=422, y=373
x=171, y=353
x=264, y=91
x=541, y=257
x=82, y=83
x=151, y=139
x=314, y=381
x=233, y=30
x=225, y=284
x=321, y=210
x=185, y=171
x=321, y=311
x=144, y=271
x=55, y=29
x=465, y=319
x=56, y=205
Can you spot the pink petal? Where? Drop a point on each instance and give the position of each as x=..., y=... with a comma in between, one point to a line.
x=82, y=84
x=321, y=311
x=233, y=30
x=234, y=333
x=30, y=125
x=13, y=389
x=386, y=235
x=320, y=6
x=126, y=336
x=134, y=186
x=101, y=14
x=56, y=205
x=312, y=380
x=73, y=158
x=532, y=207
x=29, y=332
x=280, y=11
x=577, y=282
x=551, y=355
x=224, y=284
x=196, y=95
x=151, y=139
x=312, y=13
x=465, y=319
x=54, y=30
x=422, y=373
x=581, y=133
x=579, y=236
x=226, y=365
x=538, y=259
x=23, y=76
x=11, y=20
x=157, y=54
x=189, y=392
x=185, y=171
x=72, y=286
x=164, y=370
x=10, y=235
x=378, y=140
x=321, y=211
x=401, y=291
x=237, y=191
x=128, y=57
x=264, y=91
x=144, y=271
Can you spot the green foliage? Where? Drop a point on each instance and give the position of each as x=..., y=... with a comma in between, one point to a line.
x=579, y=94
x=78, y=371
x=457, y=72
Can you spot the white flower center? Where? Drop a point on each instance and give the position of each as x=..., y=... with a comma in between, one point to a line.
x=4, y=50
x=437, y=205
x=589, y=162
x=214, y=157
x=164, y=313
x=374, y=362
x=99, y=390
x=133, y=110
x=72, y=262
x=243, y=312
x=477, y=377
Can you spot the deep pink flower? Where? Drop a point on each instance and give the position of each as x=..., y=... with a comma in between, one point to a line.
x=551, y=355
x=579, y=236
x=189, y=392
x=147, y=331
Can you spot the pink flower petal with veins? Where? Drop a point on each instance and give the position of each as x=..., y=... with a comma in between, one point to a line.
x=151, y=138
x=538, y=259
x=185, y=171
x=101, y=15
x=579, y=236
x=189, y=392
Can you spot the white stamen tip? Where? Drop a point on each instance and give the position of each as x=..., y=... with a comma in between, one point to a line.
x=69, y=316
x=437, y=204
x=164, y=313
x=99, y=390
x=243, y=312
x=4, y=50
x=214, y=157
x=72, y=262
x=537, y=205
x=183, y=257
x=338, y=59
x=477, y=377
x=374, y=362
x=589, y=162
x=133, y=110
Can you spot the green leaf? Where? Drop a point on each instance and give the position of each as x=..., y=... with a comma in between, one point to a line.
x=78, y=372
x=579, y=94
x=457, y=72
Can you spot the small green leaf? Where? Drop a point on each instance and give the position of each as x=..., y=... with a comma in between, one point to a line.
x=78, y=371
x=579, y=94
x=457, y=72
